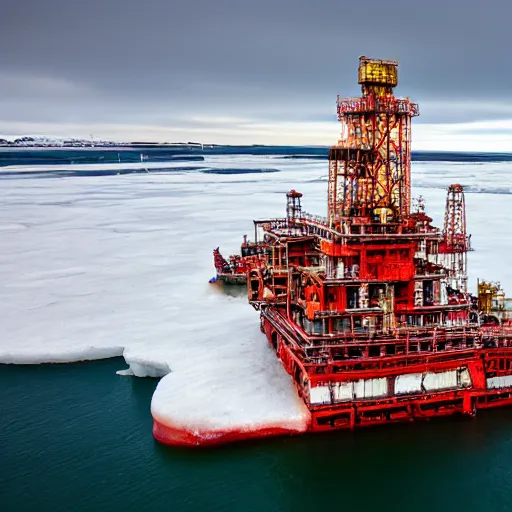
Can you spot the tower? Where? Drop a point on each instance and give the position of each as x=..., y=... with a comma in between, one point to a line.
x=455, y=243
x=369, y=167
x=293, y=207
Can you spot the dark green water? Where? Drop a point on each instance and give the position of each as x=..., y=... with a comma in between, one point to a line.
x=78, y=437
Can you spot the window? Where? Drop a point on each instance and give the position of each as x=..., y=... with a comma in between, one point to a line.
x=352, y=297
x=374, y=351
x=315, y=327
x=390, y=350
x=342, y=325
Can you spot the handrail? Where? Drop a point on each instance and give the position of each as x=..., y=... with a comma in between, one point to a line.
x=390, y=105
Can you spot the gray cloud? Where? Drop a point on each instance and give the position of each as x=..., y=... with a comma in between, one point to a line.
x=162, y=62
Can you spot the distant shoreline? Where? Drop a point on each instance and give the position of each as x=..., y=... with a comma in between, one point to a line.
x=97, y=145
x=151, y=151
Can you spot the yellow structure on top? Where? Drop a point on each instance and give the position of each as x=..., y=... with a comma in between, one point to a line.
x=377, y=76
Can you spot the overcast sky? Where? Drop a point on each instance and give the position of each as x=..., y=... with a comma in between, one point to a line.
x=260, y=71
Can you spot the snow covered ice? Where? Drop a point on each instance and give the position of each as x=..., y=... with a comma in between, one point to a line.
x=103, y=266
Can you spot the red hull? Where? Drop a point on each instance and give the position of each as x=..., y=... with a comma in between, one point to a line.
x=394, y=410
x=481, y=364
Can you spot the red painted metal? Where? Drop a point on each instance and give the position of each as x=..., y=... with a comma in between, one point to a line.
x=368, y=308
x=235, y=270
x=177, y=435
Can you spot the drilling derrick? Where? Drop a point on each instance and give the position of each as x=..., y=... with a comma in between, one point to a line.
x=369, y=167
x=455, y=244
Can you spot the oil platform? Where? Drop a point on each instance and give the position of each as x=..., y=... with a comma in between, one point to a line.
x=368, y=308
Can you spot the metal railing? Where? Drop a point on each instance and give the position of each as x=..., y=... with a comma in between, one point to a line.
x=318, y=219
x=371, y=104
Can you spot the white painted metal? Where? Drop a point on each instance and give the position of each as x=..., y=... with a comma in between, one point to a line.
x=499, y=382
x=441, y=380
x=410, y=383
x=444, y=293
x=418, y=293
x=404, y=384
x=375, y=387
x=370, y=388
x=343, y=391
x=464, y=378
x=320, y=395
x=359, y=389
